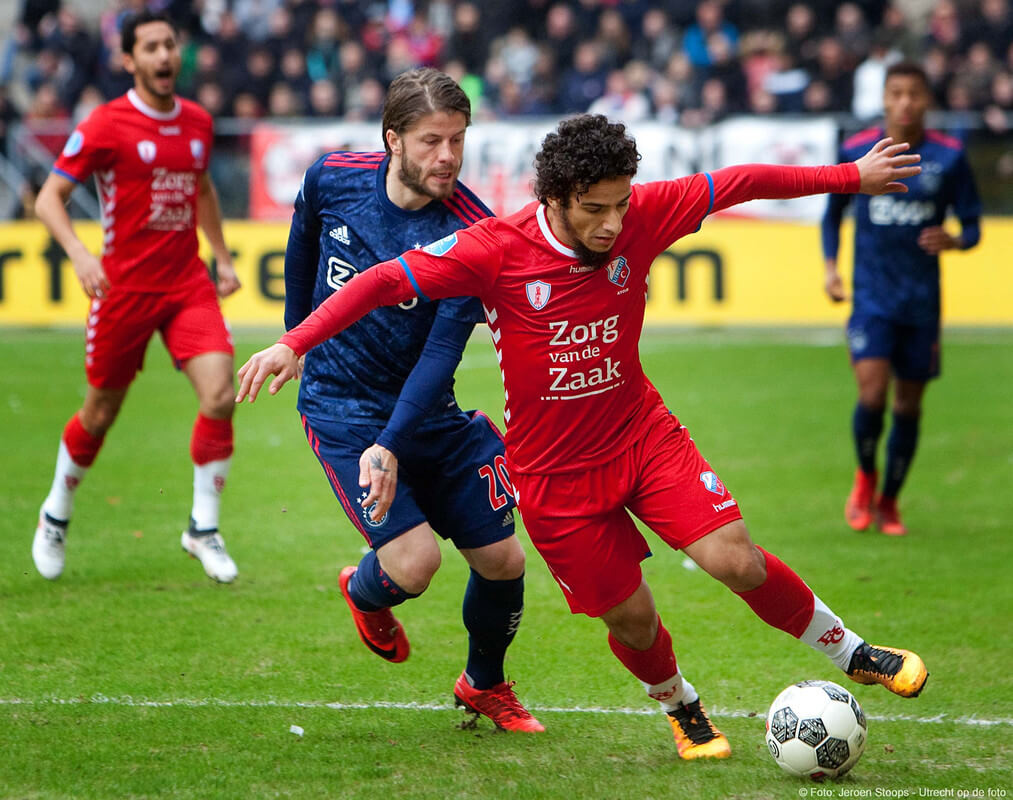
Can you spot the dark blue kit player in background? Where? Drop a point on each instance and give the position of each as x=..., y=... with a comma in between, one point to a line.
x=377, y=400
x=893, y=331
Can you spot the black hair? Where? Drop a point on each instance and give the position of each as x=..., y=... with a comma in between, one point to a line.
x=908, y=69
x=582, y=151
x=128, y=29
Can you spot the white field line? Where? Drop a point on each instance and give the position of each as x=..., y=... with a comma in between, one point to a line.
x=216, y=702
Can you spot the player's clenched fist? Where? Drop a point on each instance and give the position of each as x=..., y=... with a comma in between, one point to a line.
x=278, y=359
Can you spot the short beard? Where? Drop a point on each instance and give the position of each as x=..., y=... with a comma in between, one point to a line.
x=410, y=174
x=585, y=255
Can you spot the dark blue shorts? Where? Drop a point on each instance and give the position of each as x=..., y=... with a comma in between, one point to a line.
x=453, y=476
x=912, y=350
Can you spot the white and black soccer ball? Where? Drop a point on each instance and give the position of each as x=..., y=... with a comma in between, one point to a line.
x=816, y=729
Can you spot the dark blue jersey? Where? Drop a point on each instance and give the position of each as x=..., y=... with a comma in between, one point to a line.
x=893, y=277
x=344, y=223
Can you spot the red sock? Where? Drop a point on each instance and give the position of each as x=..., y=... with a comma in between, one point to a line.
x=783, y=600
x=652, y=666
x=211, y=440
x=82, y=446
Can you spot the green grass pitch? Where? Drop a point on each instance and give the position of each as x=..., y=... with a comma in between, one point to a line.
x=135, y=676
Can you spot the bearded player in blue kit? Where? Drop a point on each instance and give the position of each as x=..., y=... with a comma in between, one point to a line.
x=893, y=332
x=377, y=403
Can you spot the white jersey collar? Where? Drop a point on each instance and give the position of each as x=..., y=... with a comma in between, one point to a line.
x=154, y=113
x=543, y=225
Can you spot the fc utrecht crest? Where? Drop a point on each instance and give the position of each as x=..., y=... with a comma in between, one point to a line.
x=538, y=294
x=618, y=271
x=712, y=483
x=146, y=150
x=196, y=149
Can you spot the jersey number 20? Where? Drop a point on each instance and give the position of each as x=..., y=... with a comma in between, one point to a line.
x=498, y=478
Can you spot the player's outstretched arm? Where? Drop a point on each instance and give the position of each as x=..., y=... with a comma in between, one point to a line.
x=885, y=165
x=378, y=473
x=278, y=359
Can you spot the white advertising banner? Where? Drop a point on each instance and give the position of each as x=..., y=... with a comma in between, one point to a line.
x=499, y=157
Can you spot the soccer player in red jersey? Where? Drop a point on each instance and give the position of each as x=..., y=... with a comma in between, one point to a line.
x=589, y=440
x=149, y=153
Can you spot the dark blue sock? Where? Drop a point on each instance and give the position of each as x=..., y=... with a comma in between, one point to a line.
x=866, y=426
x=372, y=589
x=900, y=452
x=492, y=612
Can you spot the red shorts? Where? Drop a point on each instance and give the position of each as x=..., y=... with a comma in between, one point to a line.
x=121, y=324
x=580, y=521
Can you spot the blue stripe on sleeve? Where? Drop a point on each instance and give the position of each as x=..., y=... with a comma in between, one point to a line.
x=415, y=283
x=66, y=175
x=710, y=204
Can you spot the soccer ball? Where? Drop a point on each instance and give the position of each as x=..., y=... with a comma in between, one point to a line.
x=816, y=728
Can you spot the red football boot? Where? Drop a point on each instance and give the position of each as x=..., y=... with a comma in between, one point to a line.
x=499, y=704
x=858, y=508
x=379, y=630
x=888, y=517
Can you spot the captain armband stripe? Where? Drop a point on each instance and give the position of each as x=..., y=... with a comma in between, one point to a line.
x=411, y=278
x=710, y=202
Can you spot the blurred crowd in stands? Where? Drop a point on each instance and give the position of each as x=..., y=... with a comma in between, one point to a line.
x=686, y=62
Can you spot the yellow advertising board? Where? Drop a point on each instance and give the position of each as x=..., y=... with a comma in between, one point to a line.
x=732, y=272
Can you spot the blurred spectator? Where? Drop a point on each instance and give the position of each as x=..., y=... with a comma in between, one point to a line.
x=713, y=106
x=518, y=55
x=614, y=40
x=867, y=99
x=665, y=101
x=993, y=26
x=561, y=33
x=281, y=33
x=324, y=45
x=468, y=42
x=787, y=84
x=47, y=119
x=937, y=68
x=246, y=106
x=423, y=43
x=801, y=37
x=292, y=70
x=258, y=78
x=944, y=28
x=657, y=40
x=620, y=101
x=283, y=102
x=367, y=103
x=584, y=82
x=978, y=70
x=210, y=95
x=254, y=17
x=90, y=99
x=851, y=31
x=324, y=99
x=709, y=20
x=515, y=100
x=8, y=116
x=832, y=67
x=726, y=68
x=1000, y=107
x=896, y=29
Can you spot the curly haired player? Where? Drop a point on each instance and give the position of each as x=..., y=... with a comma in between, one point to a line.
x=589, y=440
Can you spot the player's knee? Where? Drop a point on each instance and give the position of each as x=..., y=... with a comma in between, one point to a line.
x=413, y=575
x=98, y=418
x=219, y=403
x=743, y=568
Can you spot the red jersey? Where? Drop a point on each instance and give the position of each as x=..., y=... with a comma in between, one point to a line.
x=147, y=166
x=566, y=335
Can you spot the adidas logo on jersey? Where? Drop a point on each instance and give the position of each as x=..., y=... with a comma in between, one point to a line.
x=341, y=234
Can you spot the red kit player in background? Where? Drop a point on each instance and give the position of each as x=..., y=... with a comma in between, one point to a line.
x=589, y=440
x=149, y=153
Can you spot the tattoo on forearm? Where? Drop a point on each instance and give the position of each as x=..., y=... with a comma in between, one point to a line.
x=375, y=463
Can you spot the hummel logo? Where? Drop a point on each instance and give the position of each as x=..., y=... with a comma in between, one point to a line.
x=341, y=234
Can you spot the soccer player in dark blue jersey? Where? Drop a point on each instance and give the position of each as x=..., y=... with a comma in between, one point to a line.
x=377, y=401
x=893, y=331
